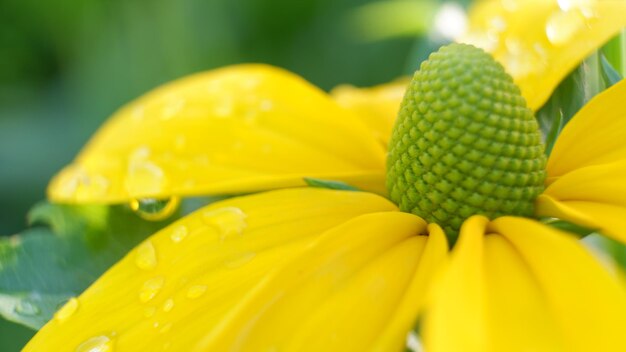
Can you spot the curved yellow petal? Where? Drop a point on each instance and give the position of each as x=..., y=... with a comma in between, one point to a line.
x=604, y=183
x=174, y=289
x=595, y=135
x=233, y=130
x=342, y=294
x=608, y=219
x=378, y=106
x=540, y=41
x=588, y=303
x=433, y=258
x=514, y=284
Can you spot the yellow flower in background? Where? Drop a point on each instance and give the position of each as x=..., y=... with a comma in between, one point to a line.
x=311, y=269
x=539, y=42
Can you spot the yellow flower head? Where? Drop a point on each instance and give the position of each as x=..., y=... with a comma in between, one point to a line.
x=299, y=268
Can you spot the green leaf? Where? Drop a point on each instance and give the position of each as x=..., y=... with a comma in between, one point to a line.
x=13, y=337
x=328, y=184
x=567, y=226
x=609, y=74
x=569, y=97
x=614, y=249
x=43, y=267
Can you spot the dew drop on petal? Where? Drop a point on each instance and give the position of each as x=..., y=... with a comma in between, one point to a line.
x=151, y=288
x=172, y=108
x=167, y=327
x=149, y=312
x=196, y=291
x=240, y=260
x=562, y=26
x=155, y=209
x=168, y=305
x=224, y=107
x=96, y=344
x=266, y=105
x=27, y=308
x=228, y=221
x=179, y=233
x=67, y=310
x=144, y=177
x=145, y=256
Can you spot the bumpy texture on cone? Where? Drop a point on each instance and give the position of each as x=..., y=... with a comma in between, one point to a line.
x=465, y=142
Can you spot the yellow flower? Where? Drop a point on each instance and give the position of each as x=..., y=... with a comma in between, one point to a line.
x=309, y=269
x=540, y=41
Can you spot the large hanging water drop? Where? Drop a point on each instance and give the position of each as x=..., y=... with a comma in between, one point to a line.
x=155, y=209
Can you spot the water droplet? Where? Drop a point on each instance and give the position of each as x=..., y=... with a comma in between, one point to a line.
x=167, y=327
x=179, y=233
x=96, y=185
x=138, y=113
x=26, y=307
x=173, y=107
x=522, y=59
x=196, y=291
x=224, y=107
x=151, y=288
x=562, y=26
x=76, y=182
x=144, y=176
x=140, y=153
x=567, y=5
x=497, y=23
x=240, y=260
x=149, y=312
x=96, y=344
x=168, y=305
x=67, y=310
x=266, y=105
x=509, y=5
x=145, y=257
x=227, y=221
x=155, y=209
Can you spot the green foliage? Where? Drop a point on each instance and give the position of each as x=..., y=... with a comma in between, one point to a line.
x=44, y=266
x=609, y=73
x=13, y=336
x=594, y=75
x=567, y=226
x=338, y=185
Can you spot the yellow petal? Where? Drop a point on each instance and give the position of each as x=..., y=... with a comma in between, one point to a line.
x=432, y=260
x=594, y=136
x=540, y=42
x=377, y=106
x=517, y=285
x=234, y=130
x=588, y=303
x=608, y=219
x=201, y=268
x=342, y=294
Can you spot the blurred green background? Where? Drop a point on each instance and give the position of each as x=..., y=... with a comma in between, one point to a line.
x=66, y=65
